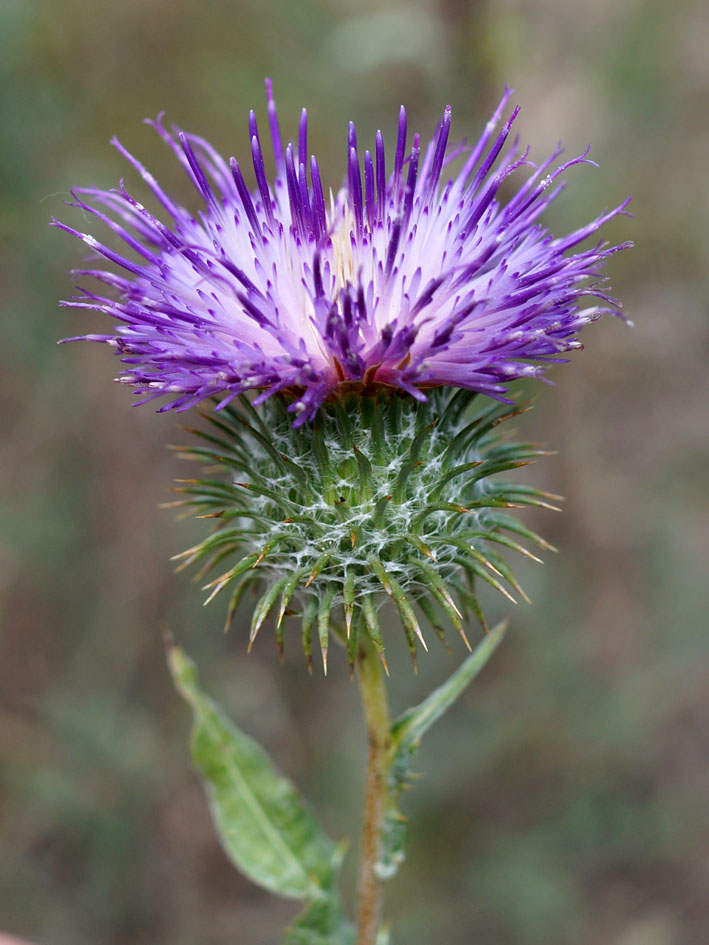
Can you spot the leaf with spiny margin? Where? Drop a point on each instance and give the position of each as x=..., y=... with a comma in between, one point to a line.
x=262, y=822
x=406, y=734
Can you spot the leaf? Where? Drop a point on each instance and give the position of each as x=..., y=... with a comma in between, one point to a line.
x=407, y=732
x=263, y=823
x=321, y=923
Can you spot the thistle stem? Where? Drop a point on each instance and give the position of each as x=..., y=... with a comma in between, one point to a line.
x=376, y=713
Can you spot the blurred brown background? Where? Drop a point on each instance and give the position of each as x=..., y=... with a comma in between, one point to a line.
x=565, y=799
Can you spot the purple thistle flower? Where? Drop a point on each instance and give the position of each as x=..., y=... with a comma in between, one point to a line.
x=403, y=279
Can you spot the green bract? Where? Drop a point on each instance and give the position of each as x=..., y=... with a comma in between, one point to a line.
x=381, y=498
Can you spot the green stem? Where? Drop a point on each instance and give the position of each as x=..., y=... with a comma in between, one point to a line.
x=376, y=713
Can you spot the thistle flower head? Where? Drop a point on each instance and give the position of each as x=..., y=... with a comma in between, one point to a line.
x=406, y=277
x=356, y=473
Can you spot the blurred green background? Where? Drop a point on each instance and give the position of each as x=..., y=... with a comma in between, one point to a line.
x=566, y=799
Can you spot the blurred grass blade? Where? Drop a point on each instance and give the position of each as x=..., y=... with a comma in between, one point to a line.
x=262, y=822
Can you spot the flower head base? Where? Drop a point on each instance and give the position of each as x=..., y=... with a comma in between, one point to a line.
x=382, y=498
x=402, y=279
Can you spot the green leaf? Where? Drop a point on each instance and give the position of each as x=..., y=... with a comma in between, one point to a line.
x=262, y=822
x=407, y=732
x=321, y=923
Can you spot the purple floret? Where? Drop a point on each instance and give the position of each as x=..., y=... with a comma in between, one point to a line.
x=404, y=278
